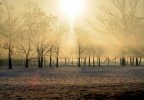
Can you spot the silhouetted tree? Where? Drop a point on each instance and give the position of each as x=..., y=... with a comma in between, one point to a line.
x=42, y=31
x=25, y=38
x=9, y=27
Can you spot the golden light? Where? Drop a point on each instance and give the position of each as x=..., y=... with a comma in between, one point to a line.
x=72, y=8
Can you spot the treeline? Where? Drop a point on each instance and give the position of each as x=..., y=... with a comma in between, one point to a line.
x=92, y=62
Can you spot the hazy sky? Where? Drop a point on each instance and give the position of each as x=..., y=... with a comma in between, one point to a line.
x=88, y=19
x=52, y=6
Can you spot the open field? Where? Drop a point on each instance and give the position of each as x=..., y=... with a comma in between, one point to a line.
x=72, y=83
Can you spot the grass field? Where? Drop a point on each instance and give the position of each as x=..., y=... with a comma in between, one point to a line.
x=72, y=83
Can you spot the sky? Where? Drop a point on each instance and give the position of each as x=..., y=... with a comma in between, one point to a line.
x=52, y=6
x=88, y=19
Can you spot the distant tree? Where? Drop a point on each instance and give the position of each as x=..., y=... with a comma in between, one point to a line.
x=1, y=54
x=107, y=59
x=115, y=60
x=99, y=53
x=40, y=27
x=121, y=21
x=80, y=42
x=9, y=27
x=78, y=32
x=50, y=56
x=25, y=37
x=72, y=56
x=25, y=46
x=94, y=53
x=44, y=42
x=87, y=51
x=91, y=50
x=59, y=31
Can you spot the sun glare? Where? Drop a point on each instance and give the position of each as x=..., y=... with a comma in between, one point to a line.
x=72, y=8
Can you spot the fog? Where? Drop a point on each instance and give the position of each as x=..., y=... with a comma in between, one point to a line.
x=39, y=31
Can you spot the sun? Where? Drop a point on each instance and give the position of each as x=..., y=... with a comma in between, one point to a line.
x=72, y=8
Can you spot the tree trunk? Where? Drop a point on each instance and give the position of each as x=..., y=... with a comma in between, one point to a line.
x=68, y=61
x=120, y=61
x=44, y=61
x=123, y=61
x=115, y=62
x=10, y=60
x=131, y=61
x=39, y=59
x=1, y=62
x=26, y=62
x=108, y=61
x=41, y=62
x=79, y=62
x=65, y=61
x=79, y=58
x=98, y=61
x=127, y=62
x=50, y=59
x=89, y=60
x=93, y=62
x=140, y=61
x=57, y=61
x=136, y=61
x=72, y=61
x=85, y=61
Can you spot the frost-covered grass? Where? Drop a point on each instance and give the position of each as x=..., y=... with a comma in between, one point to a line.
x=72, y=75
x=70, y=83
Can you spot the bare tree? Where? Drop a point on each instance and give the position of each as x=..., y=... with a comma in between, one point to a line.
x=25, y=46
x=50, y=56
x=99, y=53
x=122, y=22
x=59, y=31
x=80, y=43
x=1, y=63
x=43, y=38
x=25, y=37
x=39, y=32
x=9, y=28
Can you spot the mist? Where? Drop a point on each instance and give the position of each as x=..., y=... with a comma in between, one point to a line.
x=35, y=34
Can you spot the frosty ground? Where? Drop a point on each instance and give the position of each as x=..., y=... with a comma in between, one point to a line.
x=72, y=83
